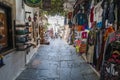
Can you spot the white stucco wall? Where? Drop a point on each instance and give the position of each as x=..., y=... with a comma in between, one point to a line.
x=29, y=9
x=20, y=14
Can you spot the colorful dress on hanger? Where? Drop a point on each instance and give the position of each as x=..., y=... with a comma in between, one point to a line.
x=81, y=19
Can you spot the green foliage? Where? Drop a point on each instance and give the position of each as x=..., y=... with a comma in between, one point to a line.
x=56, y=8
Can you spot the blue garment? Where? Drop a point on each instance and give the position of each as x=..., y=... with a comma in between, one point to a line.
x=65, y=21
x=70, y=24
x=81, y=19
x=86, y=27
x=99, y=25
x=21, y=40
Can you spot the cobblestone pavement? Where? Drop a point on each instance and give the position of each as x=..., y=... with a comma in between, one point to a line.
x=57, y=61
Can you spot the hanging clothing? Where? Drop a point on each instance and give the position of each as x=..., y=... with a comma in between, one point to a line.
x=90, y=54
x=79, y=28
x=90, y=46
x=84, y=35
x=69, y=15
x=82, y=48
x=108, y=31
x=98, y=14
x=99, y=24
x=86, y=26
x=74, y=20
x=92, y=15
x=111, y=61
x=111, y=14
x=78, y=42
x=105, y=12
x=97, y=49
x=70, y=24
x=65, y=21
x=77, y=49
x=83, y=28
x=91, y=37
x=100, y=43
x=111, y=66
x=81, y=19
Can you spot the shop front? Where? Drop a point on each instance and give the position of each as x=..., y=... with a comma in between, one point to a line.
x=19, y=36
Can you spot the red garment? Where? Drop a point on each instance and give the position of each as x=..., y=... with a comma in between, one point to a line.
x=69, y=15
x=83, y=28
x=84, y=35
x=93, y=24
x=92, y=15
x=83, y=48
x=78, y=42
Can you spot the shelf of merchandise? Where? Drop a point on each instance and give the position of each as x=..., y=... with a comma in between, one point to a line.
x=23, y=45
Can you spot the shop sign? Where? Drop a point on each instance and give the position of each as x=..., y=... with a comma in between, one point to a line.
x=32, y=3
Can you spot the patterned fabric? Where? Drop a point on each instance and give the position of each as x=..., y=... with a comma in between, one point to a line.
x=90, y=46
x=83, y=48
x=91, y=37
x=78, y=42
x=111, y=66
x=108, y=31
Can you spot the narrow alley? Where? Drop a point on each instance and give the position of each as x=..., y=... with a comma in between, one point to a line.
x=57, y=61
x=59, y=39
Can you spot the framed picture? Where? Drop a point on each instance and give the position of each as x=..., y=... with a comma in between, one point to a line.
x=3, y=29
x=6, y=30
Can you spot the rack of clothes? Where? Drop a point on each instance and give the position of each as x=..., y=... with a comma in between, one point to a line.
x=103, y=52
x=102, y=18
x=111, y=58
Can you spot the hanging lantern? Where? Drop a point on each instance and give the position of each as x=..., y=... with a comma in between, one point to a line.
x=29, y=18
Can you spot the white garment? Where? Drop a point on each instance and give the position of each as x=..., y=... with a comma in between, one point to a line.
x=74, y=20
x=98, y=12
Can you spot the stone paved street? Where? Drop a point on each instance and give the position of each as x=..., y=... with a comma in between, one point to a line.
x=57, y=61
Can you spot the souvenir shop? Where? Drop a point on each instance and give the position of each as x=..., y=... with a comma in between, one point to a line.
x=97, y=24
x=19, y=36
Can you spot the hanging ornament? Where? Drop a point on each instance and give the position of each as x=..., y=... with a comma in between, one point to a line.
x=29, y=18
